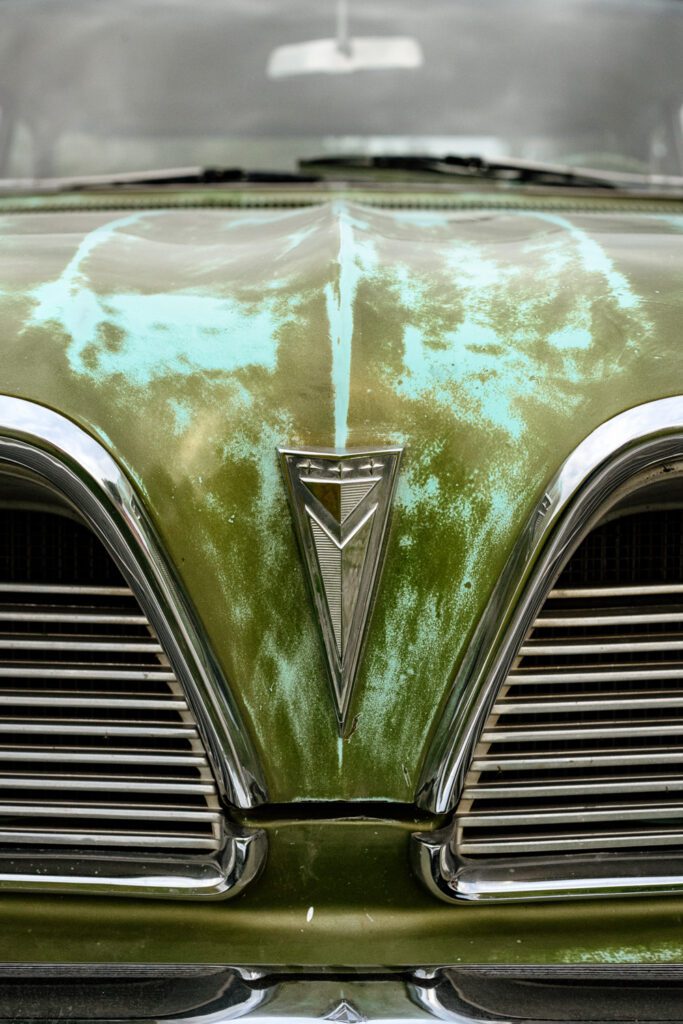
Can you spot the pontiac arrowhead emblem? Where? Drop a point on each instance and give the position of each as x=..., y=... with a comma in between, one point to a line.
x=341, y=502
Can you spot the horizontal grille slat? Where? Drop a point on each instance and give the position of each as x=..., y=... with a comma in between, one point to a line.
x=530, y=790
x=583, y=745
x=142, y=756
x=70, y=672
x=561, y=648
x=571, y=617
x=580, y=703
x=533, y=761
x=574, y=842
x=625, y=674
x=109, y=783
x=50, y=588
x=569, y=813
x=71, y=613
x=113, y=703
x=124, y=812
x=635, y=591
x=61, y=836
x=581, y=732
x=57, y=727
x=98, y=743
x=19, y=642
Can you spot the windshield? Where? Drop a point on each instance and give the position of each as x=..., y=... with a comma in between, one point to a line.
x=105, y=86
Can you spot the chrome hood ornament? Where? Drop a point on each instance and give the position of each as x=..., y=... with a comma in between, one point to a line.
x=341, y=502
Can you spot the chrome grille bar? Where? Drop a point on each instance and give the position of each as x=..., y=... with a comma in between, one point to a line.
x=165, y=840
x=581, y=787
x=579, y=703
x=573, y=842
x=532, y=761
x=639, y=590
x=66, y=642
x=574, y=617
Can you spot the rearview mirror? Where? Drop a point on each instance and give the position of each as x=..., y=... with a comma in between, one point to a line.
x=329, y=57
x=345, y=54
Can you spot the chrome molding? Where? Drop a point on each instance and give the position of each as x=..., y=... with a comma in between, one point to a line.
x=648, y=437
x=341, y=501
x=56, y=452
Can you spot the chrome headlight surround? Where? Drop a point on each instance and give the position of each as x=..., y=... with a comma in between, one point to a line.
x=57, y=453
x=604, y=464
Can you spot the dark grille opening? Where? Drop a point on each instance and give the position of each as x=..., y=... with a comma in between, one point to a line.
x=646, y=548
x=98, y=746
x=41, y=547
x=583, y=749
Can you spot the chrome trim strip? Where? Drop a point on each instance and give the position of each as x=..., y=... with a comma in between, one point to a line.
x=646, y=438
x=55, y=451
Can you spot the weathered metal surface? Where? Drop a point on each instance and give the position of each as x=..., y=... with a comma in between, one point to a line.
x=194, y=342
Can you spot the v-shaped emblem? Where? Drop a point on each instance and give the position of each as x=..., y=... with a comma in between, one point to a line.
x=341, y=503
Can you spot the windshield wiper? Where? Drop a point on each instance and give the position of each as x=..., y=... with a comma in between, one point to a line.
x=477, y=168
x=173, y=176
x=318, y=170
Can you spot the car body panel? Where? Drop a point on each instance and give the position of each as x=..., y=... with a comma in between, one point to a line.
x=192, y=341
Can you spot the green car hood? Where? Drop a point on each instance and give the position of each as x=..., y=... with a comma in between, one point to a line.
x=192, y=342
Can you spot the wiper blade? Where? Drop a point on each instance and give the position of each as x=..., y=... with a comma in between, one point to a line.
x=476, y=167
x=172, y=176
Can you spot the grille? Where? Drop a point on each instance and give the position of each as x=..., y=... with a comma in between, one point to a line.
x=97, y=744
x=583, y=748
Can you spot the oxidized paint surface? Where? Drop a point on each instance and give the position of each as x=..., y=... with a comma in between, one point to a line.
x=194, y=342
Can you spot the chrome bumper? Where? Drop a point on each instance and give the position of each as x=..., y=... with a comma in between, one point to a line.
x=472, y=994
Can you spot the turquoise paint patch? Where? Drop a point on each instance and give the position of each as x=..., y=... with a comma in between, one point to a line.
x=297, y=239
x=495, y=358
x=182, y=415
x=421, y=218
x=595, y=260
x=147, y=336
x=355, y=259
x=470, y=358
x=571, y=337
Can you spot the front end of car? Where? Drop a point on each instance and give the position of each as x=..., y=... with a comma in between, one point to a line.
x=341, y=547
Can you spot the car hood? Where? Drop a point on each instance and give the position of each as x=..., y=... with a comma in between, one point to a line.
x=194, y=342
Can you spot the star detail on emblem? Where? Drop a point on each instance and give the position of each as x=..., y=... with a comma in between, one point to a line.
x=341, y=502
